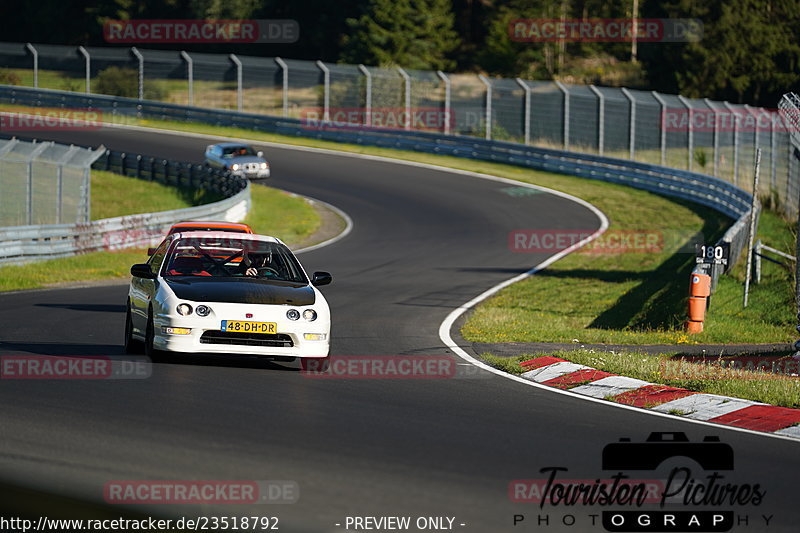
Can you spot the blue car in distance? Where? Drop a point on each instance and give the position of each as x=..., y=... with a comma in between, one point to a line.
x=239, y=159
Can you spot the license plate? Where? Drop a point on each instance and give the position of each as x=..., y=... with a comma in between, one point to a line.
x=243, y=326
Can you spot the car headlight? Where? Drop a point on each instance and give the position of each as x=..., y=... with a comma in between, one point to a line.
x=202, y=310
x=184, y=309
x=310, y=315
x=293, y=314
x=235, y=166
x=264, y=165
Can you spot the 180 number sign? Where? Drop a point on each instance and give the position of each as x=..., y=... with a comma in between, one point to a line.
x=718, y=253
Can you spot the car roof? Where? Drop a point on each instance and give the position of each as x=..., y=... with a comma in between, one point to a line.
x=211, y=224
x=225, y=145
x=227, y=235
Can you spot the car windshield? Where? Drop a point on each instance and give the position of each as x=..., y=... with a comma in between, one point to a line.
x=233, y=258
x=237, y=151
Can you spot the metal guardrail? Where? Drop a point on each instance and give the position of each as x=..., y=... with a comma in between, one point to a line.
x=20, y=244
x=691, y=186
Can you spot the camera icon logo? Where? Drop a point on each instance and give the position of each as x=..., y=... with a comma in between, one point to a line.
x=710, y=454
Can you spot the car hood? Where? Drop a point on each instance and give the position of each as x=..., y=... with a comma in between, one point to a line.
x=241, y=291
x=245, y=159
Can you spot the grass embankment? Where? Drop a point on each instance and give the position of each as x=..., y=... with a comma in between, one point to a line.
x=273, y=212
x=711, y=378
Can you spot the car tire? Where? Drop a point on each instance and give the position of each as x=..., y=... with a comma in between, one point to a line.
x=315, y=364
x=149, y=338
x=131, y=346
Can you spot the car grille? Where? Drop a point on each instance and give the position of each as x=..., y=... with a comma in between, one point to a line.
x=251, y=167
x=279, y=340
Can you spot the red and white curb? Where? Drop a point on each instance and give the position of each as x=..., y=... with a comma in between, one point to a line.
x=729, y=411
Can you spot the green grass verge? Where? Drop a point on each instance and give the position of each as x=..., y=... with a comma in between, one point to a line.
x=629, y=298
x=661, y=369
x=114, y=195
x=273, y=212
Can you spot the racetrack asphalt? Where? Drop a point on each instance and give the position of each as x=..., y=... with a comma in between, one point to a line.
x=424, y=242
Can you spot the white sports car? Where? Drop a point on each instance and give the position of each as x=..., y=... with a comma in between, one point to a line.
x=221, y=292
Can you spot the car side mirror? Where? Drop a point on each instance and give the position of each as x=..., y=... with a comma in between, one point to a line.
x=142, y=270
x=321, y=278
x=260, y=154
x=151, y=251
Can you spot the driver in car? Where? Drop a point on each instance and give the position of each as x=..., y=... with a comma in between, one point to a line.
x=254, y=263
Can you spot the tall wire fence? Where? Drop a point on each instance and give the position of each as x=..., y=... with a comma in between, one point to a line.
x=44, y=183
x=701, y=135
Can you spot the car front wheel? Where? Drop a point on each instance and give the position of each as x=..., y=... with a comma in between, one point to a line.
x=131, y=346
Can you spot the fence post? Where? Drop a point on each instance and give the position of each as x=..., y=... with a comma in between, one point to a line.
x=689, y=132
x=772, y=152
x=716, y=133
x=88, y=60
x=752, y=232
x=29, y=191
x=447, y=118
x=526, y=122
x=407, y=96
x=488, y=116
x=368, y=95
x=239, y=99
x=326, y=91
x=285, y=71
x=140, y=58
x=601, y=118
x=735, y=117
x=35, y=55
x=631, y=124
x=566, y=113
x=662, y=137
x=189, y=74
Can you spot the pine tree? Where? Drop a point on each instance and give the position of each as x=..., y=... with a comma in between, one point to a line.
x=410, y=33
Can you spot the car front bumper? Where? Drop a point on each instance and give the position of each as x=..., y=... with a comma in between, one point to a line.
x=205, y=336
x=258, y=174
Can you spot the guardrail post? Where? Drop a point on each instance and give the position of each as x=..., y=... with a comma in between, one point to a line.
x=566, y=113
x=35, y=55
x=285, y=73
x=88, y=60
x=631, y=124
x=447, y=118
x=239, y=99
x=601, y=118
x=488, y=117
x=326, y=91
x=662, y=137
x=689, y=133
x=189, y=74
x=367, y=95
x=526, y=121
x=406, y=96
x=735, y=117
